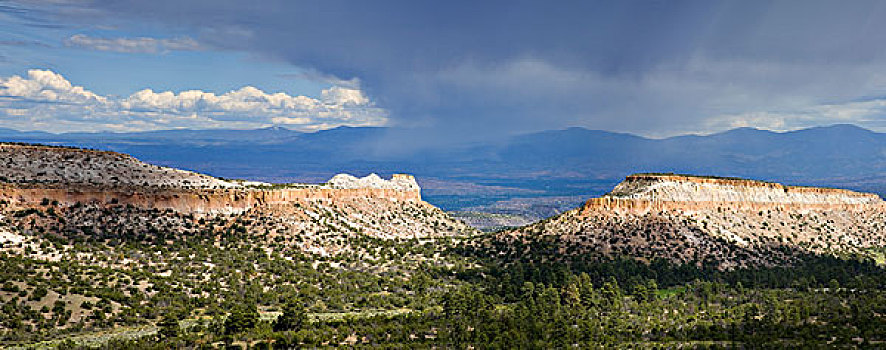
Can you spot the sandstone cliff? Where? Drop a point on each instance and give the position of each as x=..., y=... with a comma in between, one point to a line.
x=400, y=182
x=32, y=173
x=77, y=183
x=656, y=192
x=727, y=222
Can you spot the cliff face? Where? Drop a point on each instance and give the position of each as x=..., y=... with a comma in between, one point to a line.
x=401, y=182
x=727, y=222
x=81, y=186
x=33, y=173
x=649, y=193
x=196, y=201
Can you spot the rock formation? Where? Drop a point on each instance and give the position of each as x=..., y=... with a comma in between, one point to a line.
x=654, y=192
x=70, y=175
x=725, y=221
x=72, y=181
x=400, y=182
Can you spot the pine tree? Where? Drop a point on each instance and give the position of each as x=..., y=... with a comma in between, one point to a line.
x=242, y=318
x=293, y=318
x=168, y=326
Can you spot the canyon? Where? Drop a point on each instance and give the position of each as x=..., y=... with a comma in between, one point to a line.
x=729, y=222
x=110, y=242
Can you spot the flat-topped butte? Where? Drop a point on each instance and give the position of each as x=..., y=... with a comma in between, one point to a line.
x=727, y=222
x=655, y=192
x=30, y=174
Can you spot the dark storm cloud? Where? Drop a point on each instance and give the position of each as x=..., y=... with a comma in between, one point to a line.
x=654, y=67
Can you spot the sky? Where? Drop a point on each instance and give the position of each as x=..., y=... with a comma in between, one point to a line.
x=451, y=69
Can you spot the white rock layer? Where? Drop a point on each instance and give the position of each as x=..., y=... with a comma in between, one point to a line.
x=684, y=189
x=400, y=182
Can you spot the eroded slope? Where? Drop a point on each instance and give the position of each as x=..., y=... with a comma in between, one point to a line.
x=37, y=164
x=87, y=245
x=38, y=178
x=726, y=222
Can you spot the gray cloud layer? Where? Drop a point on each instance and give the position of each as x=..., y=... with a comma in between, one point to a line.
x=651, y=67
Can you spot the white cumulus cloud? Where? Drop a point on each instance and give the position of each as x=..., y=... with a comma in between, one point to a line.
x=44, y=85
x=133, y=45
x=45, y=100
x=344, y=96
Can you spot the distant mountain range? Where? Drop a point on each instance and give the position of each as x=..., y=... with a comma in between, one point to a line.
x=513, y=175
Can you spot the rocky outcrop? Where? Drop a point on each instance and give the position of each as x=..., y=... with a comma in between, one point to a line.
x=726, y=222
x=400, y=182
x=105, y=194
x=33, y=174
x=235, y=200
x=644, y=193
